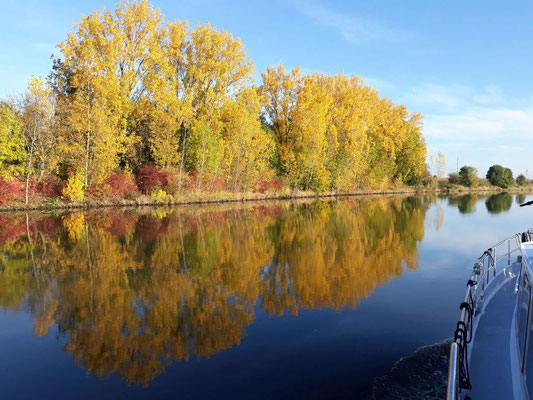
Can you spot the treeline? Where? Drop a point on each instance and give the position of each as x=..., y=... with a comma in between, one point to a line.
x=132, y=90
x=496, y=176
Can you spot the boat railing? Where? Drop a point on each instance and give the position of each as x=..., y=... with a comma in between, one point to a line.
x=484, y=270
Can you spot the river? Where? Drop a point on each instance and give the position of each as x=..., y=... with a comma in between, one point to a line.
x=301, y=299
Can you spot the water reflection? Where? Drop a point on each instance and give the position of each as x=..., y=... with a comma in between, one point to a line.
x=499, y=202
x=466, y=204
x=133, y=291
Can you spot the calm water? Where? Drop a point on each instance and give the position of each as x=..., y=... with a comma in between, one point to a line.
x=265, y=300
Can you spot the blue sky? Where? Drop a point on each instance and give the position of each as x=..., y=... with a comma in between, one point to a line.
x=465, y=65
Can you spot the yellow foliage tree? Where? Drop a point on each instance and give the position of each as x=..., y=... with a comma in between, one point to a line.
x=12, y=144
x=38, y=107
x=247, y=146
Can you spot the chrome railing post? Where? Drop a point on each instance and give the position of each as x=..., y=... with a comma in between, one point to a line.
x=509, y=252
x=453, y=387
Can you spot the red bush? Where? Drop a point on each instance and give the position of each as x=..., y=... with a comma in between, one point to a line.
x=150, y=178
x=273, y=185
x=210, y=182
x=50, y=186
x=213, y=183
x=12, y=190
x=121, y=184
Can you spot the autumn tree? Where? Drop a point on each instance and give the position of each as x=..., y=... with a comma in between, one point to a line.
x=169, y=97
x=247, y=146
x=37, y=107
x=441, y=165
x=217, y=67
x=410, y=162
x=311, y=127
x=12, y=143
x=106, y=61
x=346, y=161
x=281, y=91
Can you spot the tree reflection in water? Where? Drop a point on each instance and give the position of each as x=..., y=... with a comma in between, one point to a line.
x=133, y=291
x=499, y=202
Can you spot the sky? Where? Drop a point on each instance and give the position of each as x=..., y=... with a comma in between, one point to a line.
x=465, y=65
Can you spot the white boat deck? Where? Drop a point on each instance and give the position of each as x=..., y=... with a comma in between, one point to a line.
x=491, y=364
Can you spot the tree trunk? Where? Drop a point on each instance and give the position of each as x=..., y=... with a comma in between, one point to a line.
x=182, y=157
x=87, y=146
x=28, y=172
x=199, y=180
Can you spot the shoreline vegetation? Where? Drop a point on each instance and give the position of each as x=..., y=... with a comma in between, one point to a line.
x=139, y=111
x=205, y=198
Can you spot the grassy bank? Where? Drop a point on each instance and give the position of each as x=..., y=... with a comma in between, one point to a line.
x=201, y=197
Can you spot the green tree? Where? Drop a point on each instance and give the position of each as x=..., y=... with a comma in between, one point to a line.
x=520, y=180
x=468, y=176
x=453, y=178
x=12, y=151
x=500, y=176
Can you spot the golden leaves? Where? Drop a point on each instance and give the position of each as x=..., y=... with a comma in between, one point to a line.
x=335, y=133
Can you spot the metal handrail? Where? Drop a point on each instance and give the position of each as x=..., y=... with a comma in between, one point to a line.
x=458, y=374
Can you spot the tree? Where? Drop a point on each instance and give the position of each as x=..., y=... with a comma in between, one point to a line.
x=347, y=138
x=281, y=91
x=441, y=165
x=306, y=164
x=247, y=146
x=169, y=99
x=105, y=62
x=453, y=178
x=500, y=176
x=410, y=162
x=12, y=150
x=468, y=176
x=37, y=115
x=520, y=180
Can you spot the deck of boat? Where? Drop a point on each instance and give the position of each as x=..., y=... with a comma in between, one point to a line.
x=491, y=363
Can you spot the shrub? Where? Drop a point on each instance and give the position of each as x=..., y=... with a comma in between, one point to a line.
x=150, y=178
x=214, y=183
x=468, y=176
x=177, y=181
x=500, y=176
x=74, y=190
x=453, y=178
x=520, y=180
x=161, y=196
x=99, y=190
x=121, y=184
x=272, y=185
x=50, y=186
x=11, y=190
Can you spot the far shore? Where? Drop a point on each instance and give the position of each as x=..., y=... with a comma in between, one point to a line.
x=228, y=197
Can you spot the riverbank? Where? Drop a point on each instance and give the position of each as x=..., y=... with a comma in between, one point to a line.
x=228, y=197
